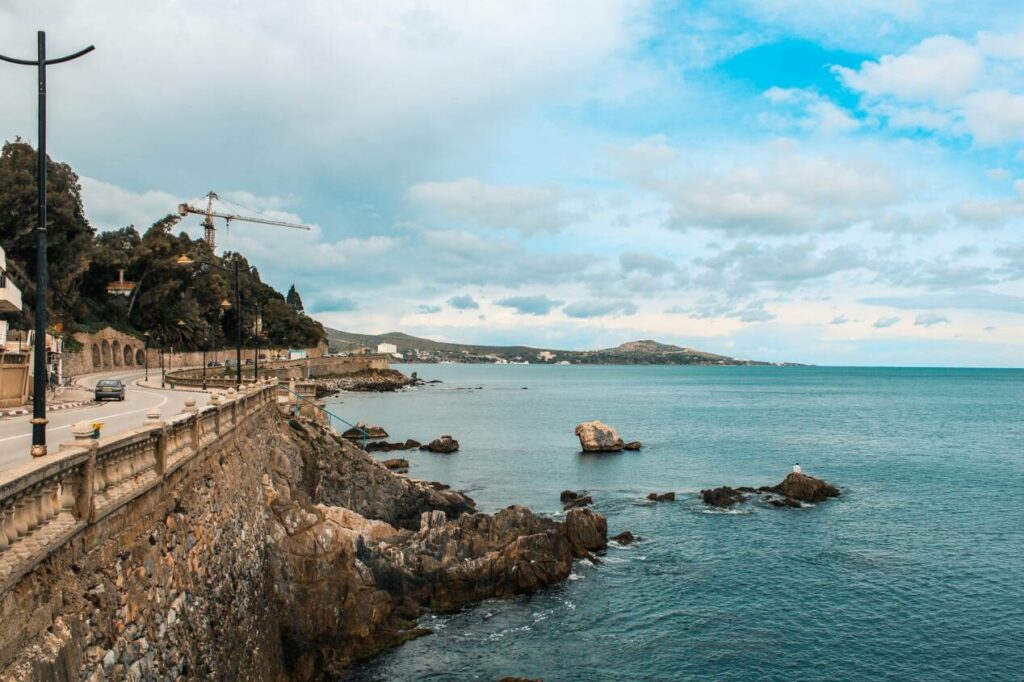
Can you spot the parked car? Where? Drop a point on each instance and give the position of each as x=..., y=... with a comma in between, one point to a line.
x=109, y=388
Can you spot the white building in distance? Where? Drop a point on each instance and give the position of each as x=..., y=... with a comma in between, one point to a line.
x=387, y=348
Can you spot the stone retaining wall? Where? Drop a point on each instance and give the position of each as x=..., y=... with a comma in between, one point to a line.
x=138, y=554
x=109, y=349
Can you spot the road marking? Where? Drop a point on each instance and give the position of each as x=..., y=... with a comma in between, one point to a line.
x=163, y=401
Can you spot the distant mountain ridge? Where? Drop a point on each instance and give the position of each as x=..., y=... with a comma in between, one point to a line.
x=641, y=352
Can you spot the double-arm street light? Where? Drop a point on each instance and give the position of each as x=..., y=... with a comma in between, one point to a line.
x=40, y=369
x=237, y=269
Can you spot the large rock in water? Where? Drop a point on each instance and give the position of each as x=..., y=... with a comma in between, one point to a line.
x=806, y=488
x=445, y=445
x=597, y=436
x=362, y=429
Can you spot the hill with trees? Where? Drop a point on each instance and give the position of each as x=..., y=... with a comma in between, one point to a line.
x=82, y=262
x=645, y=352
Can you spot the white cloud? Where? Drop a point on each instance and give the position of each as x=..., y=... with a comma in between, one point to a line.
x=811, y=112
x=885, y=322
x=941, y=68
x=470, y=201
x=787, y=192
x=109, y=207
x=930, y=320
x=994, y=116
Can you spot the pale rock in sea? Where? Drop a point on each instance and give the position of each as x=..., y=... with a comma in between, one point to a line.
x=596, y=436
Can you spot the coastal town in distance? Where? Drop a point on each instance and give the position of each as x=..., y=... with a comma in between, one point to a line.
x=428, y=340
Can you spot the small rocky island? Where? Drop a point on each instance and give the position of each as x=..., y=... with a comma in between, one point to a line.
x=797, y=488
x=596, y=436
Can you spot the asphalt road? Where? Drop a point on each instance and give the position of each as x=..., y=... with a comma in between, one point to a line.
x=117, y=416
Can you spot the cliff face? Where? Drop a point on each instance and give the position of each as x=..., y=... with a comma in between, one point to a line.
x=351, y=577
x=286, y=554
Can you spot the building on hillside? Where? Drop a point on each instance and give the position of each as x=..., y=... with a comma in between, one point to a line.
x=387, y=348
x=296, y=354
x=120, y=287
x=15, y=356
x=546, y=356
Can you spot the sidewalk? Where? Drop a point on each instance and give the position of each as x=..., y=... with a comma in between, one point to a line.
x=70, y=398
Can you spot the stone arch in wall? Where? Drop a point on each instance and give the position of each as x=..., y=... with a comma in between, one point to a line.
x=129, y=356
x=105, y=352
x=115, y=351
x=140, y=357
x=96, y=356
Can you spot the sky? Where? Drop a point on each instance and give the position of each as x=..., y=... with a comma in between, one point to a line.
x=783, y=180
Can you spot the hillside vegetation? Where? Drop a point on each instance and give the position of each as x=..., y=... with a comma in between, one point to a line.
x=82, y=261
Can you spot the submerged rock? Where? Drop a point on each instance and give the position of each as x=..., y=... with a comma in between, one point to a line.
x=723, y=496
x=445, y=444
x=396, y=463
x=389, y=447
x=633, y=445
x=362, y=429
x=597, y=436
x=663, y=497
x=568, y=496
x=624, y=538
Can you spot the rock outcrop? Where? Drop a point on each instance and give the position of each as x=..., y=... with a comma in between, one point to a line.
x=633, y=445
x=367, y=380
x=363, y=430
x=790, y=493
x=723, y=496
x=597, y=436
x=377, y=446
x=353, y=581
x=798, y=486
x=662, y=497
x=445, y=445
x=624, y=538
x=396, y=463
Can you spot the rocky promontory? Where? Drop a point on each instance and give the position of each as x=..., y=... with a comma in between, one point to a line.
x=367, y=380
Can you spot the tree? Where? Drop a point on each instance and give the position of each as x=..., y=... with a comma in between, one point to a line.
x=69, y=235
x=294, y=300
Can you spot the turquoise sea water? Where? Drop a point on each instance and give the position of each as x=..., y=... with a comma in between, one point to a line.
x=915, y=572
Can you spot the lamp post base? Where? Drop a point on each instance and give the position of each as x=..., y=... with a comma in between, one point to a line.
x=38, y=450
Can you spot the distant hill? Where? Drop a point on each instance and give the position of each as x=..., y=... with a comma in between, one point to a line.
x=643, y=352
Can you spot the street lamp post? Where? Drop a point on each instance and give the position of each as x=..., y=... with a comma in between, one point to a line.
x=41, y=374
x=256, y=336
x=145, y=340
x=237, y=269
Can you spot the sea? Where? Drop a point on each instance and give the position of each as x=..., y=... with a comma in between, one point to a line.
x=916, y=572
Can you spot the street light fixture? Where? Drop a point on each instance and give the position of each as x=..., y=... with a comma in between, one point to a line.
x=145, y=340
x=41, y=374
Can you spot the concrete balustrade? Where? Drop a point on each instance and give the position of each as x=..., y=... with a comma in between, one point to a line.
x=46, y=502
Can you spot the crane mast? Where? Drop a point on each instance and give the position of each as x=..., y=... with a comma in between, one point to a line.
x=210, y=230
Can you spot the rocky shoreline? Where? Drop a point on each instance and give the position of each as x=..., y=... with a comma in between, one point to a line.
x=366, y=381
x=361, y=552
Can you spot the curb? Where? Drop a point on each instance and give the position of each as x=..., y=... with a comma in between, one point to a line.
x=49, y=408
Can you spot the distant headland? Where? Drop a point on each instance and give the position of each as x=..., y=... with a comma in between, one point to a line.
x=415, y=349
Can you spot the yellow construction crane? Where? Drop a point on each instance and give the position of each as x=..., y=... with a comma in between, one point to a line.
x=210, y=232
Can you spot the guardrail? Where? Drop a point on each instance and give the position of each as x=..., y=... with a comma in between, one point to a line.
x=46, y=503
x=362, y=432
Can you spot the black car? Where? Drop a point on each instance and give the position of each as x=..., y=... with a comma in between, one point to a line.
x=109, y=388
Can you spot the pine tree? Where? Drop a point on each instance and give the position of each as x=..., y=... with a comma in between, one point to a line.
x=293, y=299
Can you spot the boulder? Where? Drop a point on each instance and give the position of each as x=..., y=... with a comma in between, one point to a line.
x=806, y=488
x=624, y=538
x=596, y=436
x=371, y=431
x=633, y=445
x=445, y=444
x=579, y=501
x=723, y=496
x=568, y=496
x=663, y=497
x=397, y=463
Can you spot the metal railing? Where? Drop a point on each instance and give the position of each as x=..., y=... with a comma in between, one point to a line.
x=362, y=432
